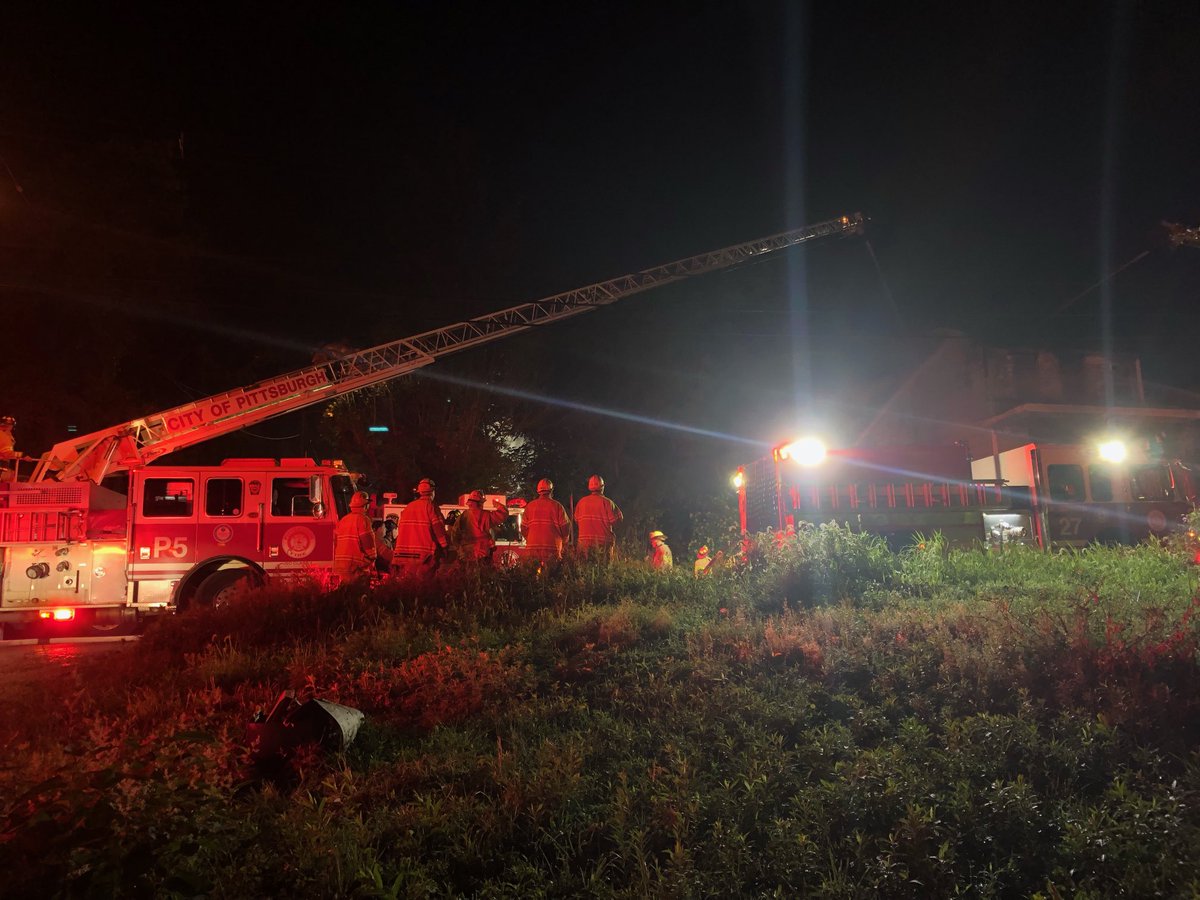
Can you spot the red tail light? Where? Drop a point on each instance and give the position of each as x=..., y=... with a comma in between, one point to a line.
x=58, y=615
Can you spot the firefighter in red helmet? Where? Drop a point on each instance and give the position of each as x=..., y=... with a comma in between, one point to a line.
x=474, y=529
x=595, y=516
x=545, y=525
x=421, y=538
x=354, y=549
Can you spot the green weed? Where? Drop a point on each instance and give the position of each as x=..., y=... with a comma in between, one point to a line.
x=820, y=717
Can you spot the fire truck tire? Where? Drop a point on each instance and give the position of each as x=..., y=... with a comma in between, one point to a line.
x=223, y=586
x=105, y=622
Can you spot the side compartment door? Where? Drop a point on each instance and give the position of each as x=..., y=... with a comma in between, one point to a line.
x=163, y=529
x=1157, y=504
x=1068, y=516
x=298, y=528
x=229, y=520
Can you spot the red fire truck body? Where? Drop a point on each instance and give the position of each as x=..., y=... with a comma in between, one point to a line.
x=895, y=492
x=182, y=535
x=1051, y=495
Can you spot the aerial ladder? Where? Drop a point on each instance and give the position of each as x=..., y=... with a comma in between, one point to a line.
x=134, y=444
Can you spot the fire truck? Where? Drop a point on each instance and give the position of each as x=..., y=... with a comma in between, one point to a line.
x=895, y=492
x=1049, y=495
x=72, y=547
x=1072, y=495
x=509, y=542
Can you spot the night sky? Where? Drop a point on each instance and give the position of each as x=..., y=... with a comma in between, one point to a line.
x=283, y=175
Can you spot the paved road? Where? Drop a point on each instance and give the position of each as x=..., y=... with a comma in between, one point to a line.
x=24, y=664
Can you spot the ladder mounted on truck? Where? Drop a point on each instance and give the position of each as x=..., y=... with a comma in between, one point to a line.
x=134, y=444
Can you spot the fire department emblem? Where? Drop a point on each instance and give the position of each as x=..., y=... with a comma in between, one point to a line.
x=299, y=542
x=1156, y=519
x=223, y=534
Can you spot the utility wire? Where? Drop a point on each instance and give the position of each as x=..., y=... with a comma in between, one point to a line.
x=1109, y=277
x=13, y=179
x=883, y=283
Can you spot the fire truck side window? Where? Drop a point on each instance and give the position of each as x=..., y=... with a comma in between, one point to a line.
x=343, y=489
x=1151, y=483
x=289, y=497
x=1066, y=482
x=1101, y=482
x=223, y=497
x=163, y=497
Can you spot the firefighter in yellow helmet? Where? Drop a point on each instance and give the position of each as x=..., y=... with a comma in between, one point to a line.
x=595, y=516
x=660, y=553
x=703, y=564
x=545, y=525
x=7, y=441
x=421, y=540
x=8, y=449
x=354, y=549
x=474, y=528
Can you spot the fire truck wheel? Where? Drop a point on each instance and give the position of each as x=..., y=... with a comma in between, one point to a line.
x=223, y=586
x=105, y=622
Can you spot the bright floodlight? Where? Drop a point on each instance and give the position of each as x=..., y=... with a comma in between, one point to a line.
x=738, y=479
x=805, y=452
x=1113, y=451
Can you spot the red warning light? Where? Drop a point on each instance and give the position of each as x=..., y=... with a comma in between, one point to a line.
x=58, y=615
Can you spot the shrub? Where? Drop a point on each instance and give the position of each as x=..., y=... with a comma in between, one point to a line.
x=827, y=719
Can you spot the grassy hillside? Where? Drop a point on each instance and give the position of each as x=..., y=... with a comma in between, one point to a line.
x=832, y=721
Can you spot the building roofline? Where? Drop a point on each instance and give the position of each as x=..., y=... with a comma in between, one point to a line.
x=1058, y=409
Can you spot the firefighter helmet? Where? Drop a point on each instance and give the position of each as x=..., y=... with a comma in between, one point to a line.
x=425, y=486
x=360, y=500
x=595, y=483
x=475, y=496
x=703, y=551
x=545, y=486
x=656, y=535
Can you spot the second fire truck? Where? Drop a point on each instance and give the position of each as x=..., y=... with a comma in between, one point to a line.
x=1050, y=495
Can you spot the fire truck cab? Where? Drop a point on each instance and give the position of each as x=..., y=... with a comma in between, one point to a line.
x=181, y=536
x=1072, y=496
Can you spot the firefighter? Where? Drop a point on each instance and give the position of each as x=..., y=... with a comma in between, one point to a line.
x=354, y=549
x=421, y=540
x=383, y=548
x=390, y=524
x=704, y=562
x=8, y=449
x=474, y=529
x=660, y=553
x=545, y=525
x=595, y=516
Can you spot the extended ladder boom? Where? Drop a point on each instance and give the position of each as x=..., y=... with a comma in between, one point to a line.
x=134, y=444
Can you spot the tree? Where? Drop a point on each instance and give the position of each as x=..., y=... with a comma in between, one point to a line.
x=460, y=436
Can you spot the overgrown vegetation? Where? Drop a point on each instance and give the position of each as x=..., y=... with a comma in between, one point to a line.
x=829, y=720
